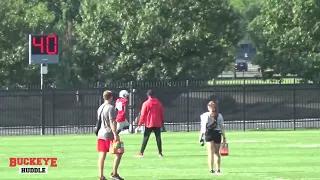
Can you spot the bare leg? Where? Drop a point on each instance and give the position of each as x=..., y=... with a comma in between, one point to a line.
x=217, y=156
x=116, y=163
x=101, y=158
x=210, y=148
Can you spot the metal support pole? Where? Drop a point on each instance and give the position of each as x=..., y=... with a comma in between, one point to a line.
x=294, y=105
x=54, y=112
x=131, y=106
x=244, y=105
x=188, y=116
x=42, y=117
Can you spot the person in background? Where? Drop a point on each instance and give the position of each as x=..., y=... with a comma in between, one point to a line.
x=121, y=106
x=211, y=131
x=153, y=118
x=106, y=134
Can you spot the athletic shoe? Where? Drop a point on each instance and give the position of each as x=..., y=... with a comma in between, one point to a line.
x=218, y=172
x=212, y=172
x=115, y=177
x=139, y=155
x=160, y=155
x=102, y=178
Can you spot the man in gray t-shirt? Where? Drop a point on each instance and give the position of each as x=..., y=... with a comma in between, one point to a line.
x=108, y=113
x=106, y=134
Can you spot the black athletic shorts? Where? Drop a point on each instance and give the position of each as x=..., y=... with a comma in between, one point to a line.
x=214, y=136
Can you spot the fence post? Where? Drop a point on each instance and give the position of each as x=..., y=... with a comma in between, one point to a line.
x=42, y=112
x=294, y=104
x=244, y=105
x=53, y=112
x=80, y=115
x=188, y=116
x=131, y=106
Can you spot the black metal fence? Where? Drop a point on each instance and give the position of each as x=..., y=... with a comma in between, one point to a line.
x=245, y=106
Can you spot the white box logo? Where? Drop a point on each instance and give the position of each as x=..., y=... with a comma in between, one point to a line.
x=33, y=170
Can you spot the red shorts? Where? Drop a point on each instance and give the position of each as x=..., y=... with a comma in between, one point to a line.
x=103, y=145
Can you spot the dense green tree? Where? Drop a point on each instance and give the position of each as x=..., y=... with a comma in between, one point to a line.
x=248, y=8
x=18, y=20
x=120, y=40
x=98, y=39
x=66, y=14
x=154, y=39
x=287, y=35
x=39, y=17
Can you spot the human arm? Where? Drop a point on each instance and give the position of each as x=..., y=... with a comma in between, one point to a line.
x=161, y=115
x=143, y=114
x=137, y=119
x=221, y=124
x=125, y=107
x=203, y=122
x=112, y=113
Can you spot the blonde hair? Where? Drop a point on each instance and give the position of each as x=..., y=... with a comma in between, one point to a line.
x=107, y=95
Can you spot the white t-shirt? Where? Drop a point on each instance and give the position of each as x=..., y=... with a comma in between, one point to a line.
x=206, y=118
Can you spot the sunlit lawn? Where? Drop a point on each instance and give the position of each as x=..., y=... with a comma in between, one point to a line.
x=254, y=155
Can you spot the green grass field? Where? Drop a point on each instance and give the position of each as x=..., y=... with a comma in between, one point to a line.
x=276, y=155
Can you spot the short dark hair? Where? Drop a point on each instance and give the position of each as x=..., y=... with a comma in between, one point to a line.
x=107, y=95
x=150, y=93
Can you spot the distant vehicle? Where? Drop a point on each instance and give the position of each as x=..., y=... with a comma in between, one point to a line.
x=241, y=65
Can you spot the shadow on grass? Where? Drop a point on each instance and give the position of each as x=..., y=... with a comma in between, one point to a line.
x=289, y=129
x=266, y=172
x=189, y=155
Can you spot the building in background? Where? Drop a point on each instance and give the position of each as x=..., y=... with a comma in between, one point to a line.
x=246, y=49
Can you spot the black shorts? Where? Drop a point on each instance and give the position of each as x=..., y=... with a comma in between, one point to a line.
x=214, y=136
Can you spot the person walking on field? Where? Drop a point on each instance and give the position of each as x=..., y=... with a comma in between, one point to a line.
x=106, y=134
x=153, y=118
x=211, y=132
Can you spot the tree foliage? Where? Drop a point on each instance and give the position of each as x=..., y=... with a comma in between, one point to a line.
x=287, y=34
x=157, y=40
x=18, y=20
x=248, y=8
x=153, y=39
x=120, y=40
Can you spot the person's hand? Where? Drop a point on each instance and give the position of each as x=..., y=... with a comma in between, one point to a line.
x=201, y=141
x=116, y=137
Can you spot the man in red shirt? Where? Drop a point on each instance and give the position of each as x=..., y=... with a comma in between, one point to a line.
x=121, y=106
x=152, y=117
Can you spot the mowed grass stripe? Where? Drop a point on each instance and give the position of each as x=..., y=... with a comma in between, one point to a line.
x=265, y=156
